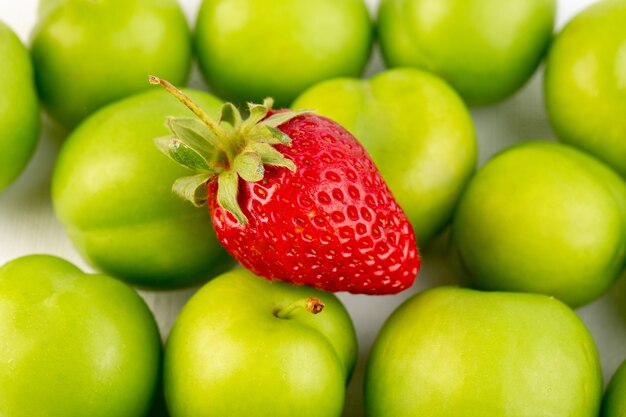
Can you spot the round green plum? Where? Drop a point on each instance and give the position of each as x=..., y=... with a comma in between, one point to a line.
x=486, y=49
x=19, y=107
x=246, y=346
x=249, y=49
x=585, y=83
x=73, y=344
x=90, y=53
x=111, y=188
x=459, y=352
x=542, y=217
x=418, y=132
x=614, y=402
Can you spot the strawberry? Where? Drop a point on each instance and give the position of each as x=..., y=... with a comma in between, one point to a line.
x=294, y=197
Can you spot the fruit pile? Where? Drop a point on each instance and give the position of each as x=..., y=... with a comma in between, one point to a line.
x=294, y=179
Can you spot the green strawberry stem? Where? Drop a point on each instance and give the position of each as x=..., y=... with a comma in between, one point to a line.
x=197, y=110
x=312, y=304
x=227, y=149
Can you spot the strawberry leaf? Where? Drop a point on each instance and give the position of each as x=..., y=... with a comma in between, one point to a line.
x=271, y=156
x=249, y=166
x=193, y=188
x=227, y=190
x=229, y=147
x=279, y=135
x=184, y=155
x=258, y=112
x=266, y=134
x=231, y=115
x=195, y=134
x=278, y=119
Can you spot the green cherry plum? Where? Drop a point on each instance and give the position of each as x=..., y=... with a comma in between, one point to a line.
x=111, y=188
x=460, y=352
x=245, y=346
x=90, y=53
x=250, y=49
x=542, y=217
x=486, y=49
x=585, y=83
x=19, y=107
x=614, y=401
x=73, y=344
x=416, y=129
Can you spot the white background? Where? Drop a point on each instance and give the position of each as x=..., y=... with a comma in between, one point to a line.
x=28, y=225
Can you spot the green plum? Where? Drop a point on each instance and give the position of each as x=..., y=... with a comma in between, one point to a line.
x=459, y=352
x=614, y=402
x=418, y=132
x=247, y=346
x=90, y=53
x=250, y=49
x=73, y=344
x=111, y=188
x=543, y=217
x=486, y=49
x=585, y=83
x=19, y=107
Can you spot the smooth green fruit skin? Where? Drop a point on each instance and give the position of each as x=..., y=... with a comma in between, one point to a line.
x=614, y=401
x=249, y=49
x=112, y=189
x=418, y=132
x=229, y=355
x=91, y=53
x=585, y=83
x=542, y=217
x=19, y=107
x=458, y=352
x=486, y=49
x=73, y=345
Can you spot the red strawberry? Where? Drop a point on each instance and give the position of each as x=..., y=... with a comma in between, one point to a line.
x=295, y=197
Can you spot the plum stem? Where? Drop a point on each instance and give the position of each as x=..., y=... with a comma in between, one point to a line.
x=312, y=305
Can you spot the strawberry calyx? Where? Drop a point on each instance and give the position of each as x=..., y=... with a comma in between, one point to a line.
x=228, y=148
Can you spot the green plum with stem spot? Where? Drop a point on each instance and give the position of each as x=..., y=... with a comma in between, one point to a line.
x=245, y=346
